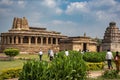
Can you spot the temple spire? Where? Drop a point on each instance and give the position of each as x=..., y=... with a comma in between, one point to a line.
x=20, y=23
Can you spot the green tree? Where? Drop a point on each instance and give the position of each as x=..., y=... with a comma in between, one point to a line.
x=11, y=52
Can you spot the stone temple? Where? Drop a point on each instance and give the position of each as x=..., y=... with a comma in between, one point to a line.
x=79, y=43
x=111, y=38
x=31, y=39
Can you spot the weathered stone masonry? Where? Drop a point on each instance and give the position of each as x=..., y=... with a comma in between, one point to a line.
x=30, y=39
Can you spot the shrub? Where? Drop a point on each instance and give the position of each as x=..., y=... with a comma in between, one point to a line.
x=10, y=73
x=94, y=56
x=110, y=74
x=95, y=66
x=33, y=70
x=11, y=52
x=63, y=67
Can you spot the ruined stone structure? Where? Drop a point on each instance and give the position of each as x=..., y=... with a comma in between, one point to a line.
x=111, y=38
x=80, y=43
x=30, y=39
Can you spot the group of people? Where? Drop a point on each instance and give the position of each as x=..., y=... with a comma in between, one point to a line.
x=109, y=58
x=51, y=54
x=116, y=59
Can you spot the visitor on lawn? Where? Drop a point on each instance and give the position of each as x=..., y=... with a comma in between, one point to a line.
x=51, y=55
x=40, y=55
x=66, y=52
x=117, y=61
x=109, y=57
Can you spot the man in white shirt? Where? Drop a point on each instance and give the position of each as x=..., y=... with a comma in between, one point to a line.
x=40, y=54
x=51, y=55
x=66, y=52
x=109, y=57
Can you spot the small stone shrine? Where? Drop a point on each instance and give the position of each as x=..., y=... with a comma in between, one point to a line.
x=111, y=38
x=79, y=43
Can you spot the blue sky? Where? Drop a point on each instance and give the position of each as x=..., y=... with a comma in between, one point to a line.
x=70, y=17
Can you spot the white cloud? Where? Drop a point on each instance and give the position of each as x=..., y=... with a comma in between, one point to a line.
x=59, y=11
x=53, y=5
x=21, y=3
x=6, y=2
x=77, y=7
x=49, y=3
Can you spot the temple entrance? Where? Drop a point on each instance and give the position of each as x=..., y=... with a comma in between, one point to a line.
x=84, y=47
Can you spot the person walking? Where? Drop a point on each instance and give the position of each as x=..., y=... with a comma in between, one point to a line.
x=66, y=52
x=40, y=55
x=117, y=61
x=51, y=55
x=48, y=52
x=109, y=57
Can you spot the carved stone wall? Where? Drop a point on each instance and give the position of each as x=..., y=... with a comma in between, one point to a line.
x=111, y=38
x=82, y=43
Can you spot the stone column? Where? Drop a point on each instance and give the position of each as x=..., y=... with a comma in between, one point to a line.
x=12, y=39
x=8, y=40
x=29, y=40
x=21, y=39
x=81, y=46
x=41, y=40
x=56, y=41
x=16, y=39
x=51, y=40
x=87, y=45
x=36, y=40
x=47, y=40
x=2, y=39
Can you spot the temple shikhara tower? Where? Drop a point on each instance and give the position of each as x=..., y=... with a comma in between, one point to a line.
x=111, y=38
x=30, y=39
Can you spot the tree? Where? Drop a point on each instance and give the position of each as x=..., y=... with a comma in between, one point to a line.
x=11, y=52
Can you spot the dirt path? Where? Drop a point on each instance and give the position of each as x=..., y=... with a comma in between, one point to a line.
x=94, y=74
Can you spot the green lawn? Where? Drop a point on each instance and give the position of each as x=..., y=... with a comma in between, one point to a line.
x=19, y=61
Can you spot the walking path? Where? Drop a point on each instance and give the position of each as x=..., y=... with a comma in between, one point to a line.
x=94, y=74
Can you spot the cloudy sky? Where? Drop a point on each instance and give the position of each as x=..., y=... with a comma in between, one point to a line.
x=70, y=17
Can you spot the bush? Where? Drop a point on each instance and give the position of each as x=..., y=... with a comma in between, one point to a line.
x=10, y=73
x=94, y=56
x=63, y=67
x=110, y=74
x=11, y=52
x=95, y=66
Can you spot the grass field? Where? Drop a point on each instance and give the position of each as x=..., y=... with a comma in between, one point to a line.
x=19, y=61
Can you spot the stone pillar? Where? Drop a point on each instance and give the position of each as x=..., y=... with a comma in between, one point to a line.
x=47, y=40
x=8, y=40
x=51, y=40
x=12, y=39
x=36, y=40
x=2, y=40
x=21, y=39
x=29, y=40
x=87, y=45
x=16, y=39
x=41, y=40
x=56, y=41
x=81, y=46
